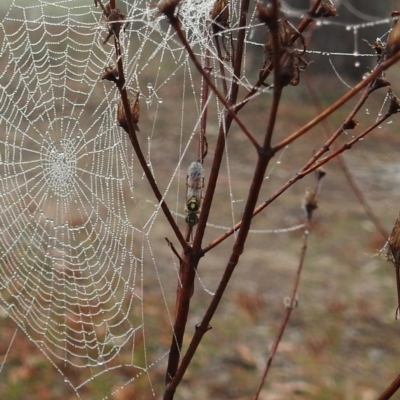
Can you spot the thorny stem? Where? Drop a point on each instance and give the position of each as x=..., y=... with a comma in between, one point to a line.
x=135, y=143
x=289, y=308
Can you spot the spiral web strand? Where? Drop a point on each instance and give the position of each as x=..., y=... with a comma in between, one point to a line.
x=77, y=221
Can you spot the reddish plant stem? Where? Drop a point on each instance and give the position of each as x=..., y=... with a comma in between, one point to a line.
x=343, y=165
x=177, y=26
x=223, y=132
x=289, y=308
x=186, y=281
x=204, y=101
x=304, y=171
x=371, y=77
x=192, y=257
x=397, y=271
x=346, y=146
x=382, y=67
x=264, y=156
x=239, y=52
x=340, y=130
x=391, y=390
x=305, y=22
x=221, y=66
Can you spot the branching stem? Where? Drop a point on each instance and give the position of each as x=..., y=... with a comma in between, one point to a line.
x=134, y=140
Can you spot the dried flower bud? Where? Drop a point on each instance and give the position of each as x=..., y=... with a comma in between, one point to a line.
x=167, y=7
x=320, y=173
x=110, y=74
x=135, y=110
x=220, y=15
x=379, y=83
x=393, y=42
x=350, y=124
x=394, y=107
x=326, y=10
x=310, y=202
x=393, y=253
x=135, y=113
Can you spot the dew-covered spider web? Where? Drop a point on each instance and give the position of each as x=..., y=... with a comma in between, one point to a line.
x=85, y=271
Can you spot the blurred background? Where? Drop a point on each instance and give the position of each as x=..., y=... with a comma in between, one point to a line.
x=83, y=241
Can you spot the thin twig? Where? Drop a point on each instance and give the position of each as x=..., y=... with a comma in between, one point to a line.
x=303, y=172
x=351, y=93
x=172, y=247
x=346, y=146
x=343, y=165
x=177, y=26
x=221, y=66
x=304, y=23
x=223, y=132
x=203, y=145
x=289, y=308
x=193, y=256
x=263, y=159
x=391, y=390
x=135, y=143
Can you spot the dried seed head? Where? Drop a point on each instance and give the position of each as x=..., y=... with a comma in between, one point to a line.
x=393, y=42
x=378, y=46
x=135, y=110
x=110, y=74
x=326, y=10
x=378, y=83
x=135, y=113
x=220, y=15
x=393, y=252
x=310, y=202
x=115, y=21
x=319, y=173
x=350, y=124
x=167, y=7
x=394, y=107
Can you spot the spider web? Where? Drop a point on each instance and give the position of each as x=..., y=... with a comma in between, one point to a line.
x=79, y=227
